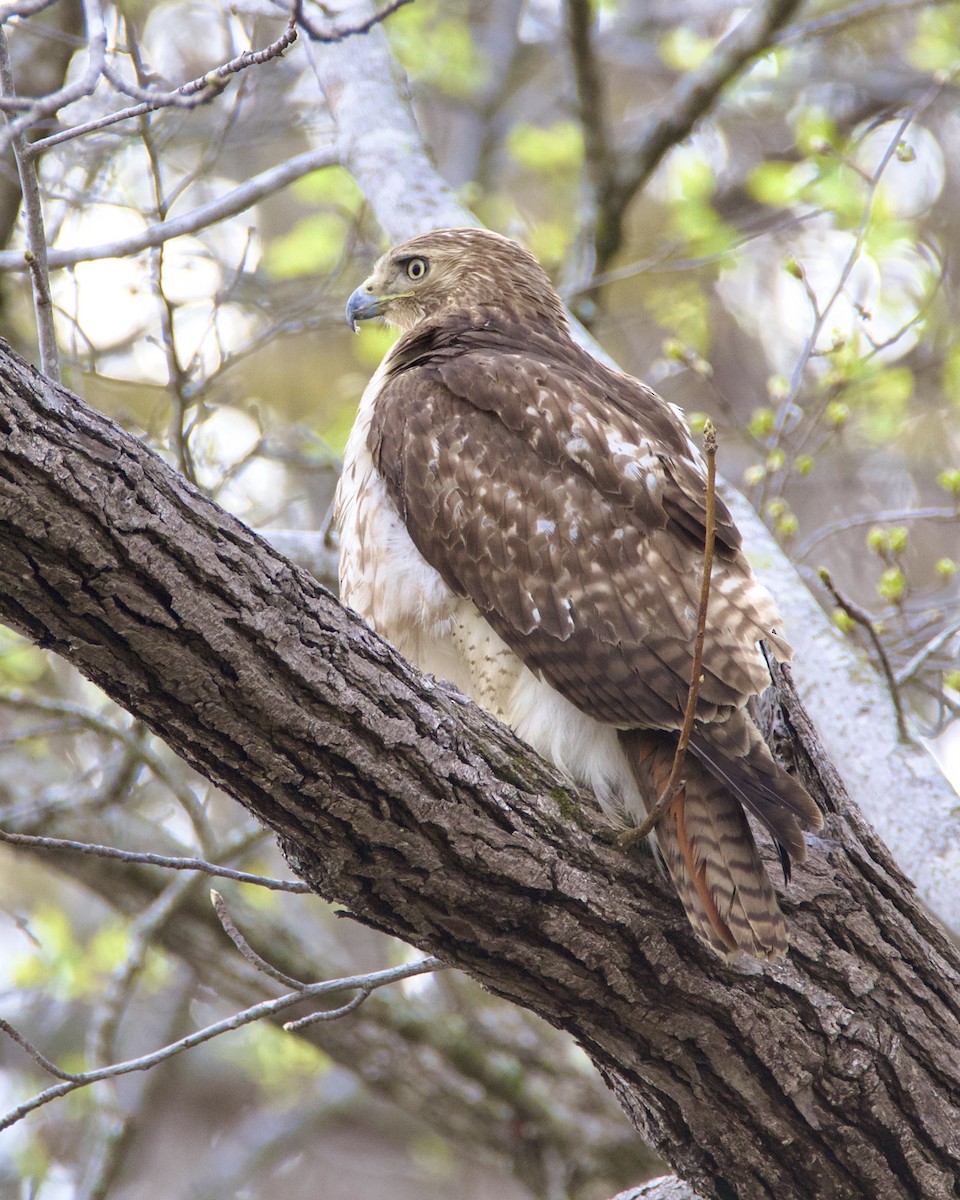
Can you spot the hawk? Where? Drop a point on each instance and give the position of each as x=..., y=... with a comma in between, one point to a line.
x=526, y=522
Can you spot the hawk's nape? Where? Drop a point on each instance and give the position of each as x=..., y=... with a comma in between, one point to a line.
x=524, y=521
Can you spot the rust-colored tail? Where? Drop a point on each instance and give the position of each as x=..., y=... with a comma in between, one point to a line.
x=706, y=842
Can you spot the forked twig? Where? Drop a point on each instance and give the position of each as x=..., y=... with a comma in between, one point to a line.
x=862, y=618
x=674, y=784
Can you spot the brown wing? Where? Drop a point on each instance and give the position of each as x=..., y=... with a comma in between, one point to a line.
x=563, y=505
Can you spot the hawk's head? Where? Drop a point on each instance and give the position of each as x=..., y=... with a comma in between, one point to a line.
x=468, y=271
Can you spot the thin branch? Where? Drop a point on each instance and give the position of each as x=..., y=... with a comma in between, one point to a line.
x=856, y=613
x=195, y=92
x=842, y=18
x=333, y=33
x=936, y=644
x=44, y=1063
x=166, y=861
x=843, y=524
x=674, y=118
x=675, y=782
x=248, y=952
x=71, y=1082
x=228, y=205
x=132, y=739
x=116, y=996
x=36, y=253
x=26, y=8
x=601, y=161
x=47, y=105
x=328, y=1014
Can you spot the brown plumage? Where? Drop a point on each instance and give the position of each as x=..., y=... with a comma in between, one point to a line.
x=521, y=519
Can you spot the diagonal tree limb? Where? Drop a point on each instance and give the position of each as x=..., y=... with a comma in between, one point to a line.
x=835, y=1073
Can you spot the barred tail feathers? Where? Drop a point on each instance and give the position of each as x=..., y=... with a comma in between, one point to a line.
x=709, y=852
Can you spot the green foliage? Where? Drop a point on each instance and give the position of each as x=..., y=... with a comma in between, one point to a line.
x=949, y=480
x=952, y=680
x=547, y=148
x=20, y=662
x=780, y=184
x=436, y=47
x=815, y=130
x=843, y=621
x=65, y=965
x=684, y=49
x=880, y=397
x=333, y=186
x=803, y=464
x=681, y=306
x=314, y=246
x=693, y=219
x=946, y=568
x=936, y=44
x=281, y=1064
x=837, y=413
x=951, y=375
x=762, y=423
x=892, y=584
x=888, y=543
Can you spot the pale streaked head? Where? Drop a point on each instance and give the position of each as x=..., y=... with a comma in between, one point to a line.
x=463, y=270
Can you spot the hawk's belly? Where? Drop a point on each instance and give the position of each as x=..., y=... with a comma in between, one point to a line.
x=384, y=578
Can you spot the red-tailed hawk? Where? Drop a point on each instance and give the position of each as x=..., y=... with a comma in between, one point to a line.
x=524, y=521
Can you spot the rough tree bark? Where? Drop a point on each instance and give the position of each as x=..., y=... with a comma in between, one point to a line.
x=834, y=1074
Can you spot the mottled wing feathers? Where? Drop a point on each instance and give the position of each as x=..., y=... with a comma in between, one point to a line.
x=545, y=497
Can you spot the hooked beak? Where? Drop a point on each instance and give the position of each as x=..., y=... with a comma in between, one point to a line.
x=362, y=306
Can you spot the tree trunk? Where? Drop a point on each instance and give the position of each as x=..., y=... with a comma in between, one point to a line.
x=833, y=1074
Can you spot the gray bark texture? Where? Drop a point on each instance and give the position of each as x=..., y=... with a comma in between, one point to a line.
x=833, y=1074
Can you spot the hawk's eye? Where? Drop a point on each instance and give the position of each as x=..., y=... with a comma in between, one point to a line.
x=417, y=268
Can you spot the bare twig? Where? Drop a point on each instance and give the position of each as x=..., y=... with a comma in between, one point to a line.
x=843, y=524
x=228, y=205
x=71, y=1082
x=36, y=254
x=842, y=18
x=334, y=33
x=84, y=85
x=197, y=91
x=248, y=952
x=856, y=613
x=687, y=101
x=142, y=933
x=166, y=861
x=928, y=650
x=601, y=161
x=675, y=782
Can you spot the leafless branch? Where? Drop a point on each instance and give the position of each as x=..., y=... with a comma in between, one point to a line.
x=36, y=254
x=46, y=106
x=236, y=200
x=332, y=34
x=843, y=524
x=197, y=91
x=248, y=952
x=927, y=651
x=71, y=1082
x=842, y=18
x=168, y=862
x=862, y=618
x=688, y=100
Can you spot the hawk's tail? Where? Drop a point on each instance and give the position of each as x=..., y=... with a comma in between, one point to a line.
x=708, y=848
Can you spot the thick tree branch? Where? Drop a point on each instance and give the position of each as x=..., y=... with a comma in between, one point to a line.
x=837, y=1071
